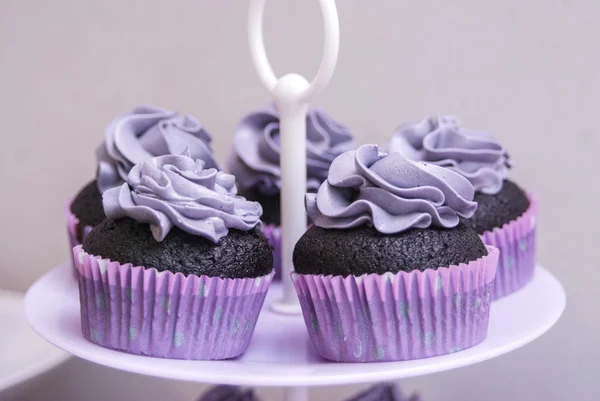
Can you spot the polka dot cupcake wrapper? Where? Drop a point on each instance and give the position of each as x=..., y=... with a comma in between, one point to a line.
x=516, y=242
x=169, y=315
x=273, y=234
x=402, y=316
x=75, y=232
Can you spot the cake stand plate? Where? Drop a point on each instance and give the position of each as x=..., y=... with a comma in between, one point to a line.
x=280, y=353
x=23, y=354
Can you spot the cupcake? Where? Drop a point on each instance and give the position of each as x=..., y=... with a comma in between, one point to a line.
x=388, y=272
x=179, y=268
x=255, y=161
x=506, y=216
x=144, y=133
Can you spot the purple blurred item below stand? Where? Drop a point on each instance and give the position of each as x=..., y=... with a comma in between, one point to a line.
x=383, y=392
x=228, y=393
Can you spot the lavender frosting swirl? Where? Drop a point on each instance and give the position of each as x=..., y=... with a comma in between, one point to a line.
x=390, y=193
x=148, y=132
x=255, y=161
x=175, y=190
x=441, y=141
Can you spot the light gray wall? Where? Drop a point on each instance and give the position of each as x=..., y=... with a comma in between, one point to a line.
x=526, y=70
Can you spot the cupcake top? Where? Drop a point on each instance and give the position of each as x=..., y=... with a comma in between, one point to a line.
x=147, y=132
x=441, y=141
x=176, y=190
x=255, y=160
x=390, y=193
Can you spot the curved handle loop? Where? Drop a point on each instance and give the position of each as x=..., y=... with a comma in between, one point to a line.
x=330, y=48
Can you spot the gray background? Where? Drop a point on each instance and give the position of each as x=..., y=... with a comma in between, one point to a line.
x=526, y=70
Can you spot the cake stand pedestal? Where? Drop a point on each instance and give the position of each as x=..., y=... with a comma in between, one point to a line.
x=280, y=353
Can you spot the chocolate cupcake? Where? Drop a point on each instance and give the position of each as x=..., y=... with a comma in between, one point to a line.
x=506, y=216
x=180, y=243
x=143, y=133
x=388, y=272
x=256, y=155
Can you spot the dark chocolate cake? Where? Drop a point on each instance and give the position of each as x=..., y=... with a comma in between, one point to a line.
x=239, y=254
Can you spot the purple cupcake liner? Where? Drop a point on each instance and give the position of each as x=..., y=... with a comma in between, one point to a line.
x=75, y=232
x=169, y=315
x=516, y=242
x=402, y=316
x=273, y=234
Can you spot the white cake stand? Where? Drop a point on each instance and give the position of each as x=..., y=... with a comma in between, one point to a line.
x=280, y=353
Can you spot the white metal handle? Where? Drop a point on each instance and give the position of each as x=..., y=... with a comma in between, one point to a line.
x=292, y=93
x=330, y=49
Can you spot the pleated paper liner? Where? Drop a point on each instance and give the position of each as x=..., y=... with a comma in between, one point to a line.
x=516, y=242
x=162, y=314
x=75, y=232
x=273, y=234
x=402, y=316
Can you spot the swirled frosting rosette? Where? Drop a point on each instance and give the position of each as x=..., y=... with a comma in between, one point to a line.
x=148, y=132
x=485, y=163
x=175, y=190
x=257, y=151
x=390, y=193
x=441, y=141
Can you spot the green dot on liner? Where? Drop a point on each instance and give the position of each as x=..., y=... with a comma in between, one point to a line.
x=132, y=333
x=403, y=309
x=523, y=245
x=477, y=304
x=379, y=352
x=456, y=300
x=235, y=326
x=202, y=290
x=179, y=339
x=218, y=315
x=101, y=301
x=165, y=304
x=439, y=283
x=96, y=337
x=428, y=337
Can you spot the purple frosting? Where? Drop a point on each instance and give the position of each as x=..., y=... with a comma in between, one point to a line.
x=255, y=161
x=390, y=193
x=441, y=141
x=148, y=132
x=175, y=190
